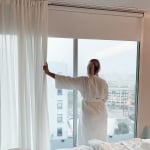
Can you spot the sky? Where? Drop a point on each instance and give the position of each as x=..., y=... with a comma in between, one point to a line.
x=116, y=57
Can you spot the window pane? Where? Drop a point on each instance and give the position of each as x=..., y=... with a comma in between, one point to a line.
x=60, y=60
x=118, y=68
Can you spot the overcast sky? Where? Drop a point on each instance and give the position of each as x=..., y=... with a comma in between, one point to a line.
x=116, y=57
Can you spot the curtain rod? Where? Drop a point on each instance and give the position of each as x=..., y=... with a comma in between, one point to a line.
x=113, y=12
x=103, y=8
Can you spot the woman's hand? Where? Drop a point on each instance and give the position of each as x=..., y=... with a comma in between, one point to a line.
x=45, y=68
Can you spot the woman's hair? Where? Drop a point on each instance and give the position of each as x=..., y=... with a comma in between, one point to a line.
x=93, y=67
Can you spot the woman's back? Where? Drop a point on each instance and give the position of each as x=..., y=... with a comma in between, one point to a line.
x=94, y=88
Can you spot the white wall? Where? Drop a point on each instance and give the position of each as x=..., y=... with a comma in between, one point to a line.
x=144, y=82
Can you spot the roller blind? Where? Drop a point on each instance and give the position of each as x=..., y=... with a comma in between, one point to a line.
x=73, y=22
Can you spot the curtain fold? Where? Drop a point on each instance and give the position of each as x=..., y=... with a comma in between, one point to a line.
x=23, y=51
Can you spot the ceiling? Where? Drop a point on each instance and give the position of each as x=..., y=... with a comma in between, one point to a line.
x=119, y=5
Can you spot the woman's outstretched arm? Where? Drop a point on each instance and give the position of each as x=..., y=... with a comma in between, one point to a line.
x=46, y=70
x=64, y=82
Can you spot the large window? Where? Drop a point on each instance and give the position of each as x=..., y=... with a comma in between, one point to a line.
x=59, y=59
x=118, y=67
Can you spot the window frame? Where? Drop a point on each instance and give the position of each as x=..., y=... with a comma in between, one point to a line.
x=75, y=94
x=75, y=73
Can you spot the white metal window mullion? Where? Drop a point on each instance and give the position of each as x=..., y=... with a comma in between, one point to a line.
x=137, y=88
x=75, y=99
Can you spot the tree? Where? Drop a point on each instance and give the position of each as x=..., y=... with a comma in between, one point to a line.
x=122, y=128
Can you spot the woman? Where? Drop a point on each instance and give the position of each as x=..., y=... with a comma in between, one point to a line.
x=94, y=90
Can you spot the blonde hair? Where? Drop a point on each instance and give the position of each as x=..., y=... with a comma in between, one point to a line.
x=93, y=67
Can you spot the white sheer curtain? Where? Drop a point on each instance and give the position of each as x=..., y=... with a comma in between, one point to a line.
x=23, y=47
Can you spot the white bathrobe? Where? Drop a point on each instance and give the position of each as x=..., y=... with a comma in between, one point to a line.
x=93, y=118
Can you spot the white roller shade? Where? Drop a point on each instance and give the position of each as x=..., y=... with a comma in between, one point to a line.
x=94, y=24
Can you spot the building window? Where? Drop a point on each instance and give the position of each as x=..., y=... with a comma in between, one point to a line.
x=59, y=118
x=59, y=104
x=59, y=131
x=59, y=92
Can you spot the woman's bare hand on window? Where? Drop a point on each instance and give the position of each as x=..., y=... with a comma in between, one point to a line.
x=45, y=68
